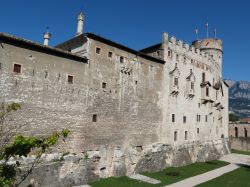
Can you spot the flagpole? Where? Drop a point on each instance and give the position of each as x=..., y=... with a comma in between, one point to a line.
x=207, y=29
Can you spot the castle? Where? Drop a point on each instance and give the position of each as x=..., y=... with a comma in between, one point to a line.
x=166, y=102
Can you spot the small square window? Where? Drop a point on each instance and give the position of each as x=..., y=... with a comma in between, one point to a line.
x=110, y=54
x=121, y=59
x=104, y=85
x=94, y=118
x=98, y=50
x=70, y=79
x=17, y=68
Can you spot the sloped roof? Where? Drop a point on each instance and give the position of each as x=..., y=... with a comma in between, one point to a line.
x=205, y=83
x=112, y=43
x=11, y=39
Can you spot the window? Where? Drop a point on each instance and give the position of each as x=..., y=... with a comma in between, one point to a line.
x=94, y=118
x=192, y=85
x=175, y=81
x=136, y=82
x=184, y=59
x=173, y=117
x=198, y=118
x=198, y=130
x=17, y=68
x=192, y=61
x=186, y=135
x=98, y=50
x=206, y=118
x=121, y=59
x=169, y=53
x=175, y=135
x=245, y=132
x=177, y=57
x=157, y=53
x=184, y=119
x=199, y=105
x=0, y=65
x=104, y=84
x=236, y=132
x=70, y=79
x=207, y=91
x=46, y=74
x=110, y=54
x=203, y=77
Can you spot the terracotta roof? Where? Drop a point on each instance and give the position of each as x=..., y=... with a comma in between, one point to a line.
x=11, y=39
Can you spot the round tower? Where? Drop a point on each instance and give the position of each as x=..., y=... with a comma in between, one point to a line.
x=80, y=22
x=213, y=47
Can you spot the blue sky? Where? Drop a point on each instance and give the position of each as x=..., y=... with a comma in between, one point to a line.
x=138, y=23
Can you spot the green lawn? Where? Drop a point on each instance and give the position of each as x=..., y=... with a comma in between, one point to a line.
x=240, y=152
x=166, y=176
x=239, y=177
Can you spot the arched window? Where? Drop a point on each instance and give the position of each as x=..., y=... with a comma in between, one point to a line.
x=245, y=132
x=236, y=132
x=222, y=136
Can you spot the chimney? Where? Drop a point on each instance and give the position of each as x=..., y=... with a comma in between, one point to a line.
x=80, y=20
x=46, y=37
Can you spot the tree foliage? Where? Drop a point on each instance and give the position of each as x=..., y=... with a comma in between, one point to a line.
x=14, y=146
x=233, y=117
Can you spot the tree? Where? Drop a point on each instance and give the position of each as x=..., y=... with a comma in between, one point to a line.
x=233, y=117
x=14, y=145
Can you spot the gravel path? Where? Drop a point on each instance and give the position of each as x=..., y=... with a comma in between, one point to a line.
x=144, y=178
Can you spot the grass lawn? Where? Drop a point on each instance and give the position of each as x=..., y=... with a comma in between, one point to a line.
x=240, y=152
x=238, y=177
x=166, y=176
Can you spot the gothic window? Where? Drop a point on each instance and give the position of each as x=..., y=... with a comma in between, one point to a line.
x=17, y=68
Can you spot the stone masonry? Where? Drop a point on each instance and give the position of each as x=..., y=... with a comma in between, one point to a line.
x=119, y=101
